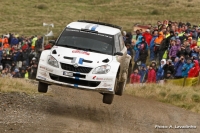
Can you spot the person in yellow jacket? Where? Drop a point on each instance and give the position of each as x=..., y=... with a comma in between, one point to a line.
x=33, y=42
x=26, y=75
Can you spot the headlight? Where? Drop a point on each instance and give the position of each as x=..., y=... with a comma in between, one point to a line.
x=102, y=69
x=52, y=61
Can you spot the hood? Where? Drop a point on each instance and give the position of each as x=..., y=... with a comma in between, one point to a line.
x=72, y=56
x=159, y=39
x=196, y=63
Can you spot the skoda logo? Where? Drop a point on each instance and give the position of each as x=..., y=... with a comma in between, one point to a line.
x=75, y=65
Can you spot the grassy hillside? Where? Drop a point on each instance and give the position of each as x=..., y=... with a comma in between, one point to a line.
x=26, y=16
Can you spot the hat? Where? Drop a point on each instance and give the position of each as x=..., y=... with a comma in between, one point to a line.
x=33, y=58
x=147, y=30
x=173, y=39
x=169, y=60
x=16, y=70
x=169, y=72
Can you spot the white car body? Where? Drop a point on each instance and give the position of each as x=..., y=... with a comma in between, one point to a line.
x=76, y=67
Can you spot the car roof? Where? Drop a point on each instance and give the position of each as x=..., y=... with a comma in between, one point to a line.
x=94, y=27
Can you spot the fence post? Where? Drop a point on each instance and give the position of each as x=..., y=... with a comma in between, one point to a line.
x=184, y=80
x=198, y=79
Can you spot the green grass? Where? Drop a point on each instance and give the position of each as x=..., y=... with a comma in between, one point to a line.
x=187, y=97
x=17, y=85
x=26, y=17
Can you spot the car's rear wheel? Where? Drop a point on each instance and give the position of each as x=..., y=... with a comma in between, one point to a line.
x=108, y=98
x=42, y=87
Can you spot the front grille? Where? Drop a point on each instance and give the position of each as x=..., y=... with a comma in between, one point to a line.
x=74, y=81
x=80, y=69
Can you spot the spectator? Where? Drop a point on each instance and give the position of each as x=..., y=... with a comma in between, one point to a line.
x=143, y=73
x=157, y=44
x=135, y=77
x=169, y=75
x=160, y=71
x=152, y=54
x=143, y=53
x=168, y=67
x=178, y=68
x=194, y=71
x=147, y=35
x=173, y=50
x=151, y=78
x=186, y=67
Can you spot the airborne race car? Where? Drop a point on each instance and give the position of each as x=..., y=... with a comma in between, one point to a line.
x=87, y=55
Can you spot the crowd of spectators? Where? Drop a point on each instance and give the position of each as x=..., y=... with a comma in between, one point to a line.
x=19, y=55
x=169, y=50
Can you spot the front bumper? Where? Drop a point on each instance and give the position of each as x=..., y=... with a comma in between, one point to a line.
x=103, y=83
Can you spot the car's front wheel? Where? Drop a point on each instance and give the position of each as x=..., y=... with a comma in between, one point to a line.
x=108, y=98
x=42, y=87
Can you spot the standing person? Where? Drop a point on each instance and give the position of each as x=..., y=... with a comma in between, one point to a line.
x=33, y=42
x=147, y=35
x=173, y=50
x=168, y=67
x=151, y=78
x=143, y=54
x=20, y=58
x=135, y=77
x=143, y=73
x=178, y=68
x=186, y=67
x=34, y=70
x=4, y=59
x=157, y=44
x=38, y=46
x=155, y=35
x=160, y=71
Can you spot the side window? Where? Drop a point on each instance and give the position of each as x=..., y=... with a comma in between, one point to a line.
x=117, y=44
x=121, y=42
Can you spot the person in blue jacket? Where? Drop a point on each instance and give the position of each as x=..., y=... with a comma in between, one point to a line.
x=152, y=54
x=178, y=68
x=186, y=67
x=143, y=73
x=160, y=71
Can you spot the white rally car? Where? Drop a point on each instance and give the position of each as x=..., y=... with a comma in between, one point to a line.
x=87, y=55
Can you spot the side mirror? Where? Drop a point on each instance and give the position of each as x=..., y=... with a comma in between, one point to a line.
x=118, y=53
x=52, y=42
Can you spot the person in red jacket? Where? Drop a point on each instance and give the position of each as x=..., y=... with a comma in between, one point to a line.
x=147, y=35
x=151, y=78
x=193, y=44
x=135, y=77
x=25, y=46
x=194, y=72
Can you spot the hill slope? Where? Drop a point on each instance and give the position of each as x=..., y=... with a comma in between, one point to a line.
x=26, y=17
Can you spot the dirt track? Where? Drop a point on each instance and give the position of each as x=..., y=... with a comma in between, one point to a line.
x=74, y=111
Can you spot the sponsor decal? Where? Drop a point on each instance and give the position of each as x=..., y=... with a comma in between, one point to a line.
x=94, y=77
x=43, y=67
x=105, y=79
x=43, y=73
x=81, y=52
x=107, y=85
x=40, y=77
x=50, y=70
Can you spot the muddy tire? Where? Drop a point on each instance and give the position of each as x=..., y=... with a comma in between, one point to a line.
x=120, y=88
x=42, y=87
x=108, y=98
x=129, y=73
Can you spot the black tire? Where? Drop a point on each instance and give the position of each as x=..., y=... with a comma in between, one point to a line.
x=120, y=88
x=129, y=73
x=42, y=87
x=108, y=98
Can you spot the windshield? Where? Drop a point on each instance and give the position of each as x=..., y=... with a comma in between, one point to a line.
x=87, y=41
